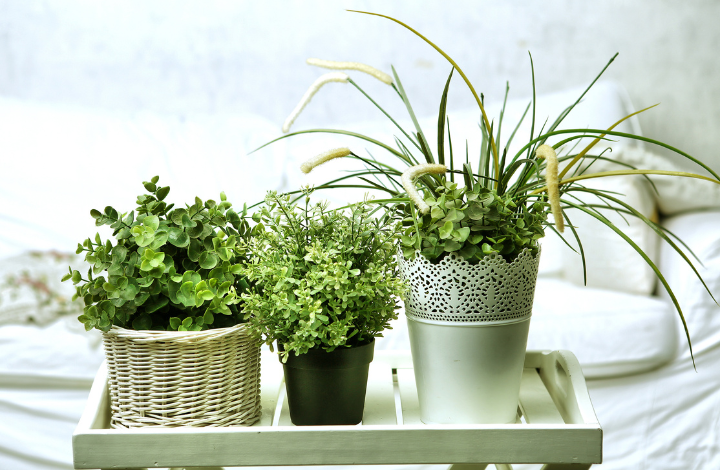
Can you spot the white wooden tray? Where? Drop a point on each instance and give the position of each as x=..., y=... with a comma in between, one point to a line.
x=556, y=426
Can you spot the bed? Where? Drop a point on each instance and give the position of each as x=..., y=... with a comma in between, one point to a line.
x=60, y=159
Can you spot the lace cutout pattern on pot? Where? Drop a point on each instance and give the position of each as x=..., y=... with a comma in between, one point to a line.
x=453, y=290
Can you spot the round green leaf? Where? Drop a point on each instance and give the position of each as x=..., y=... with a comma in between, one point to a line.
x=151, y=221
x=208, y=260
x=162, y=192
x=195, y=249
x=197, y=230
x=177, y=237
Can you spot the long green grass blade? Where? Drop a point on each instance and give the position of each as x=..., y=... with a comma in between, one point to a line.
x=441, y=121
x=500, y=122
x=452, y=159
x=408, y=136
x=420, y=136
x=564, y=114
x=579, y=244
x=532, y=124
x=336, y=131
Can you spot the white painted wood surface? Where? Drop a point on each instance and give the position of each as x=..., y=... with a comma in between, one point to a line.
x=559, y=428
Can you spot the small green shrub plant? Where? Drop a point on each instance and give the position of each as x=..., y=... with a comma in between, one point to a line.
x=474, y=222
x=321, y=278
x=167, y=269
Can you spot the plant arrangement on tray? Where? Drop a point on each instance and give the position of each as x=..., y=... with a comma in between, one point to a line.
x=168, y=269
x=322, y=279
x=501, y=208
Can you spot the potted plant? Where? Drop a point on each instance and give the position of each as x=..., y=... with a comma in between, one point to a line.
x=470, y=252
x=166, y=295
x=324, y=287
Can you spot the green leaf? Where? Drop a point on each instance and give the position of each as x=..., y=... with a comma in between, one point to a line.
x=446, y=230
x=177, y=237
x=150, y=187
x=119, y=253
x=159, y=239
x=208, y=318
x=142, y=322
x=177, y=216
x=175, y=322
x=151, y=221
x=76, y=277
x=441, y=120
x=208, y=260
x=162, y=193
x=186, y=222
x=224, y=253
x=451, y=245
x=461, y=234
x=197, y=230
x=95, y=214
x=206, y=295
x=155, y=303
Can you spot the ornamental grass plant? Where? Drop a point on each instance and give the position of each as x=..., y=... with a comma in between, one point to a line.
x=497, y=202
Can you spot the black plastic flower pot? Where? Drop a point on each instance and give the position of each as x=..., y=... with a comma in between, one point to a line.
x=328, y=387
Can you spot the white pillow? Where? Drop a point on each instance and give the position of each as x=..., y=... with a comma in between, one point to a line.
x=611, y=333
x=701, y=232
x=612, y=263
x=674, y=194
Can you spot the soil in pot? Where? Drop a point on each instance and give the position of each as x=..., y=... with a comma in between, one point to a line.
x=325, y=388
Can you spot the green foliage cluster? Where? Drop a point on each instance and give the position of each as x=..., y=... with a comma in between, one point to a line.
x=169, y=269
x=474, y=223
x=321, y=278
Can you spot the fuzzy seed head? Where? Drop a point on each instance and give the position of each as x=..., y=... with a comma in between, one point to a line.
x=308, y=166
x=335, y=65
x=551, y=179
x=408, y=182
x=314, y=88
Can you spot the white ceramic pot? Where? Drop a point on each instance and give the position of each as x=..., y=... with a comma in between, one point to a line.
x=468, y=328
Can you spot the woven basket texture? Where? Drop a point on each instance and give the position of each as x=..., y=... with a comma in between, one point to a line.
x=172, y=378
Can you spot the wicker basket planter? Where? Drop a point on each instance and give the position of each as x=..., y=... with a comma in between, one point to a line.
x=468, y=327
x=172, y=378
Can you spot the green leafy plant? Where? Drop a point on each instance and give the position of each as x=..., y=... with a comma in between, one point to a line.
x=502, y=206
x=321, y=278
x=169, y=269
x=474, y=223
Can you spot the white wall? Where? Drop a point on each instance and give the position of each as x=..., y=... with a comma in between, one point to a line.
x=216, y=56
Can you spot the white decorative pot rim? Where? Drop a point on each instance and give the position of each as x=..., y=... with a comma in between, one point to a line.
x=453, y=291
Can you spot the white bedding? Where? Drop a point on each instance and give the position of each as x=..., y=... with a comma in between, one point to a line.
x=664, y=416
